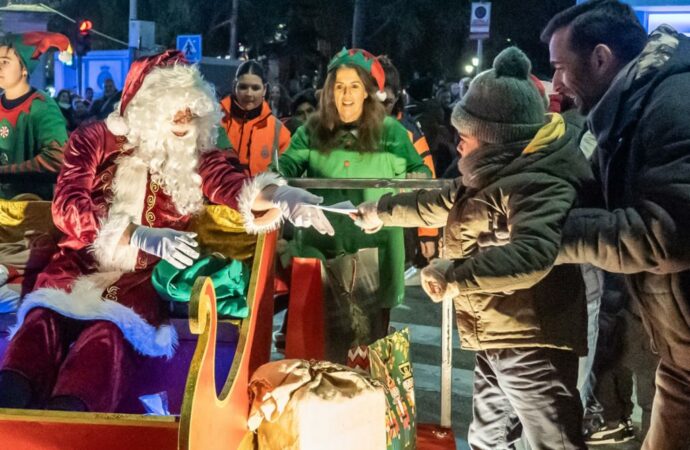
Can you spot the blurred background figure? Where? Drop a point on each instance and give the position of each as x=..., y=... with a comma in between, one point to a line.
x=254, y=131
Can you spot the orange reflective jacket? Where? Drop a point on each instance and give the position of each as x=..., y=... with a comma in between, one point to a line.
x=257, y=137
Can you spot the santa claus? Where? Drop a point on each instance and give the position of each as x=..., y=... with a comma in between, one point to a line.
x=128, y=189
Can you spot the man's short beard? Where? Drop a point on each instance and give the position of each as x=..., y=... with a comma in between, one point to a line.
x=173, y=165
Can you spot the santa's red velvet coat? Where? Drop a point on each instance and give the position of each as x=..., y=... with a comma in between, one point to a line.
x=102, y=188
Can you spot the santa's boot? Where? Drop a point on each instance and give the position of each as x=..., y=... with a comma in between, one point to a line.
x=15, y=390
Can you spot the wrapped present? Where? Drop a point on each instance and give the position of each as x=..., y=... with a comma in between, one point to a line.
x=310, y=405
x=388, y=361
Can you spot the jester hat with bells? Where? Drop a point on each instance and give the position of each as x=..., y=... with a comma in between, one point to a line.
x=365, y=60
x=30, y=46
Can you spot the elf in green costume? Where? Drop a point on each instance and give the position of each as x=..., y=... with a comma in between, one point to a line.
x=32, y=128
x=352, y=137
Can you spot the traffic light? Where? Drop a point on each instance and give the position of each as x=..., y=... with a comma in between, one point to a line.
x=83, y=38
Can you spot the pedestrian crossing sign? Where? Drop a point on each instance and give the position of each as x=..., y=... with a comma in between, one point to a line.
x=190, y=45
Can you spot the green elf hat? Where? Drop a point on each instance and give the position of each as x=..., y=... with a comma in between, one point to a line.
x=365, y=60
x=30, y=46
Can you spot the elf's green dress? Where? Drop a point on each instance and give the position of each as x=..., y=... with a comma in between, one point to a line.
x=395, y=158
x=32, y=133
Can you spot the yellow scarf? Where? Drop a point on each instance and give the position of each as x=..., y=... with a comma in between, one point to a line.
x=552, y=131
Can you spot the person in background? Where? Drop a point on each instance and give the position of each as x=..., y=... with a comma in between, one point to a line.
x=88, y=97
x=32, y=133
x=64, y=101
x=351, y=136
x=32, y=128
x=255, y=133
x=101, y=108
x=303, y=106
x=422, y=245
x=279, y=101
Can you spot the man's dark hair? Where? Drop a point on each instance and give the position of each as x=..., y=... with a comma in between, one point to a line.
x=595, y=22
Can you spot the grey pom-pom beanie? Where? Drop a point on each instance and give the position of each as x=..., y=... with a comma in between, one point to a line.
x=502, y=105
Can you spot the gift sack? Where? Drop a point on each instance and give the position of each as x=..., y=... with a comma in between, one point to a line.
x=316, y=405
x=351, y=304
x=388, y=361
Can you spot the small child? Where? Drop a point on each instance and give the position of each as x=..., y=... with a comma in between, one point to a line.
x=526, y=319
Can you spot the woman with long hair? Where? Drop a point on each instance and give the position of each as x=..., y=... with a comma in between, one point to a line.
x=351, y=136
x=254, y=132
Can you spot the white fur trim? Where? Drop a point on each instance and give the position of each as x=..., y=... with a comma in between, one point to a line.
x=85, y=303
x=381, y=96
x=248, y=194
x=129, y=198
x=116, y=124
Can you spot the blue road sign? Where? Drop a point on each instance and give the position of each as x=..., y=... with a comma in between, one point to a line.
x=190, y=45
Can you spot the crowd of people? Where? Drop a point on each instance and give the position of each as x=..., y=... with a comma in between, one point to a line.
x=566, y=242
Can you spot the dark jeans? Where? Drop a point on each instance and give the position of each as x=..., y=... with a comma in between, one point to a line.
x=526, y=389
x=624, y=353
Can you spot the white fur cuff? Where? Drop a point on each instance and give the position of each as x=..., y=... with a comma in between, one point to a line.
x=248, y=194
x=107, y=249
x=85, y=303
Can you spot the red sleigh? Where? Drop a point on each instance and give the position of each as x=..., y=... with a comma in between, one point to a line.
x=206, y=381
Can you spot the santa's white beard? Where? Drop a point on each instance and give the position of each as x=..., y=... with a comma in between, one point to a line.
x=173, y=162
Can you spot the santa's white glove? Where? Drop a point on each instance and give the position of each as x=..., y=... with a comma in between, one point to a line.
x=9, y=300
x=433, y=278
x=176, y=247
x=299, y=207
x=4, y=274
x=367, y=217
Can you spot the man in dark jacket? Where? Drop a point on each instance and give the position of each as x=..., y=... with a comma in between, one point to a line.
x=636, y=93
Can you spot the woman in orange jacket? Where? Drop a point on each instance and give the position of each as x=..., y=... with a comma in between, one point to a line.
x=255, y=133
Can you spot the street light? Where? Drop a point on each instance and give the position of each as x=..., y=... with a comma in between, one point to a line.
x=469, y=69
x=475, y=61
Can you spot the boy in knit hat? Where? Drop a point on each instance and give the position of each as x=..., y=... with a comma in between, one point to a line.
x=525, y=319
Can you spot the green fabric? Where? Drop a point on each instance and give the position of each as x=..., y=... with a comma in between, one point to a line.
x=389, y=360
x=396, y=157
x=230, y=280
x=40, y=132
x=223, y=141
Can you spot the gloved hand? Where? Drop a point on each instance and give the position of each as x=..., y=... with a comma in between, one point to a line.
x=299, y=207
x=176, y=247
x=434, y=283
x=367, y=217
x=4, y=274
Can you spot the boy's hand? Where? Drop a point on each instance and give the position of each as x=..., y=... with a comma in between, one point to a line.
x=367, y=217
x=433, y=278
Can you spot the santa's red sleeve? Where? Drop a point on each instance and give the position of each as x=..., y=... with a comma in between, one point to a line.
x=74, y=212
x=224, y=182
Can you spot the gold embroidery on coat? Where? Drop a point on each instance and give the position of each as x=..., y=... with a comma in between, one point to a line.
x=151, y=203
x=111, y=293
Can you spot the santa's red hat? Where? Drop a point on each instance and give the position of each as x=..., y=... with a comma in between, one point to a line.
x=135, y=78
